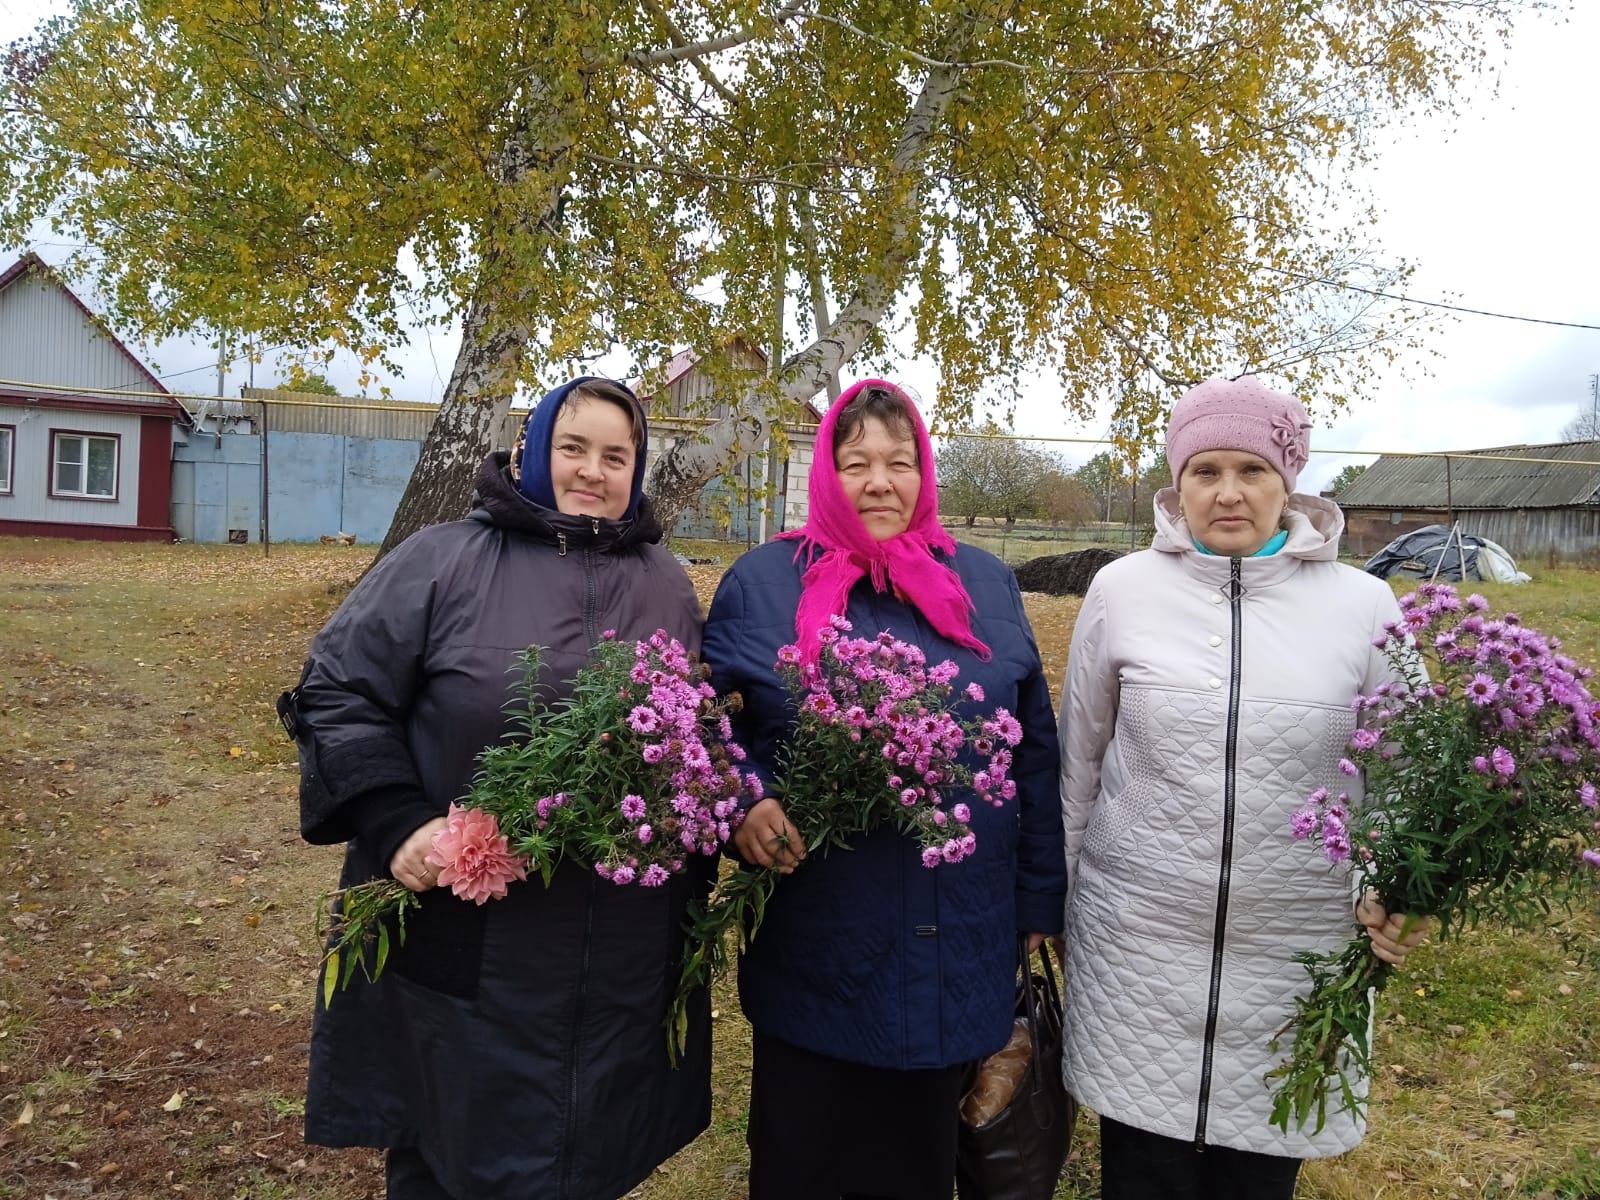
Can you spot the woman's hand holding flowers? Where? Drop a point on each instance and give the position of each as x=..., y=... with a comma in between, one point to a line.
x=1393, y=935
x=767, y=839
x=409, y=865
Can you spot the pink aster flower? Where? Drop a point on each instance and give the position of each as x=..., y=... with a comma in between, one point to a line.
x=1303, y=821
x=1586, y=794
x=632, y=806
x=474, y=858
x=1504, y=763
x=975, y=692
x=1335, y=840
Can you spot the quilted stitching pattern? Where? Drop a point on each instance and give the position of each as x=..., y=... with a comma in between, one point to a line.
x=1143, y=914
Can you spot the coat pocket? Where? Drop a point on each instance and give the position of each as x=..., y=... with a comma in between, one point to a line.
x=443, y=948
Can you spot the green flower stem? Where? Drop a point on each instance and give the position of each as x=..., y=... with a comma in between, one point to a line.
x=739, y=902
x=355, y=920
x=1331, y=1025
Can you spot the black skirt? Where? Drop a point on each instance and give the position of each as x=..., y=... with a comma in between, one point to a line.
x=821, y=1128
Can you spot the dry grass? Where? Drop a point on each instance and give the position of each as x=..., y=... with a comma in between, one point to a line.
x=157, y=940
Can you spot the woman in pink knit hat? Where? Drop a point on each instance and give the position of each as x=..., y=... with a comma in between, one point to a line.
x=1208, y=690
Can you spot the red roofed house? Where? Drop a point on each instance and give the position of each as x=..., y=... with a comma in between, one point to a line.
x=86, y=431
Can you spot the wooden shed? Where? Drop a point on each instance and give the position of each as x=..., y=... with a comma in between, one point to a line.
x=86, y=431
x=1539, y=502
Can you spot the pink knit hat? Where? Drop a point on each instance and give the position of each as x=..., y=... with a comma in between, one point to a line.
x=1240, y=414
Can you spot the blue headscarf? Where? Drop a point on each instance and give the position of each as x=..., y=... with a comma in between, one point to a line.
x=530, y=457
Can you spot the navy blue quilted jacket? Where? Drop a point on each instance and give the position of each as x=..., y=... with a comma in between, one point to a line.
x=866, y=955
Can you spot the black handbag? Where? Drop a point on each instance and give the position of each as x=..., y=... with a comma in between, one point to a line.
x=1018, y=1153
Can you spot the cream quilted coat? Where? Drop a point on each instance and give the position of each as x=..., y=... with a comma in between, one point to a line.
x=1197, y=715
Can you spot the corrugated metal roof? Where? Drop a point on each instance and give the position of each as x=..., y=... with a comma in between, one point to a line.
x=1487, y=478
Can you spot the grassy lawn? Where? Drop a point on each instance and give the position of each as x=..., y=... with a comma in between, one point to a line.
x=157, y=960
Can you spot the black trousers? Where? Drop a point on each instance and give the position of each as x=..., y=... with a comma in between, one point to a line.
x=407, y=1177
x=824, y=1129
x=1136, y=1165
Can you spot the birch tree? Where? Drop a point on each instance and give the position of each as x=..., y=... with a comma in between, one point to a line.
x=1124, y=196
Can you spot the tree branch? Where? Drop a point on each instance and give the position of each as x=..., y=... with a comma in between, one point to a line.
x=683, y=50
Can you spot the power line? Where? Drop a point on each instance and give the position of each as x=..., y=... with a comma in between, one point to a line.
x=1461, y=308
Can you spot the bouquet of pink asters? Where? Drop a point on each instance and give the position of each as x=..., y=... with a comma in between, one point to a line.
x=1479, y=767
x=631, y=775
x=875, y=744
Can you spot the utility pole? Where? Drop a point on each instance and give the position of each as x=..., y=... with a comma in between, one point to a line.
x=1594, y=407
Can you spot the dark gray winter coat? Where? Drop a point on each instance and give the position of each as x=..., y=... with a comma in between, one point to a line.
x=518, y=1044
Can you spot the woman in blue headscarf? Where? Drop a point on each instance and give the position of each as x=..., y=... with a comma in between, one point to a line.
x=516, y=1048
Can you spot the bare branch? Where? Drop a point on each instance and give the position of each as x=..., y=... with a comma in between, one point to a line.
x=683, y=50
x=1129, y=343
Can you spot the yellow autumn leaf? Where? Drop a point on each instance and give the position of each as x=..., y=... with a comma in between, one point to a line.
x=174, y=1103
x=26, y=1116
x=235, y=751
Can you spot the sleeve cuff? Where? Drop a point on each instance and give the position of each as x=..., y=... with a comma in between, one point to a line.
x=1041, y=913
x=385, y=817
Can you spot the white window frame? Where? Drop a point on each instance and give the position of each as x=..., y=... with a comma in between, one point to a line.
x=8, y=459
x=83, y=438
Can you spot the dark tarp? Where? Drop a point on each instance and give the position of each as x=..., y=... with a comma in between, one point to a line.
x=1434, y=551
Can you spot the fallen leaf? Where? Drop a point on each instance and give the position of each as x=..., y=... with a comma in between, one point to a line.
x=235, y=751
x=25, y=1117
x=174, y=1104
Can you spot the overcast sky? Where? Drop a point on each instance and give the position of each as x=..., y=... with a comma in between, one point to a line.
x=1499, y=210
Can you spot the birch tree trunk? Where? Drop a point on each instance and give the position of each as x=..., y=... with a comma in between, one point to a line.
x=475, y=402
x=487, y=366
x=680, y=474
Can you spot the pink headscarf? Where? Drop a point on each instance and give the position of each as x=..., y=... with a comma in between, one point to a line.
x=849, y=551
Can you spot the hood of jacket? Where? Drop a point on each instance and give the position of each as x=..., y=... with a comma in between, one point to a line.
x=497, y=501
x=1314, y=526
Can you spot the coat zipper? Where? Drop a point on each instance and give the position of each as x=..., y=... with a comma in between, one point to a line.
x=591, y=599
x=569, y=1149
x=1219, y=936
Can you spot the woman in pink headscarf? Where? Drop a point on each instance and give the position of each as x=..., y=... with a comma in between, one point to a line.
x=876, y=983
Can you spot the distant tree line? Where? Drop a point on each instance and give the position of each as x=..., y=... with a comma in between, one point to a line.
x=986, y=473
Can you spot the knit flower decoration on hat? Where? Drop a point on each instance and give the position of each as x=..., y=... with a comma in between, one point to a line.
x=1294, y=437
